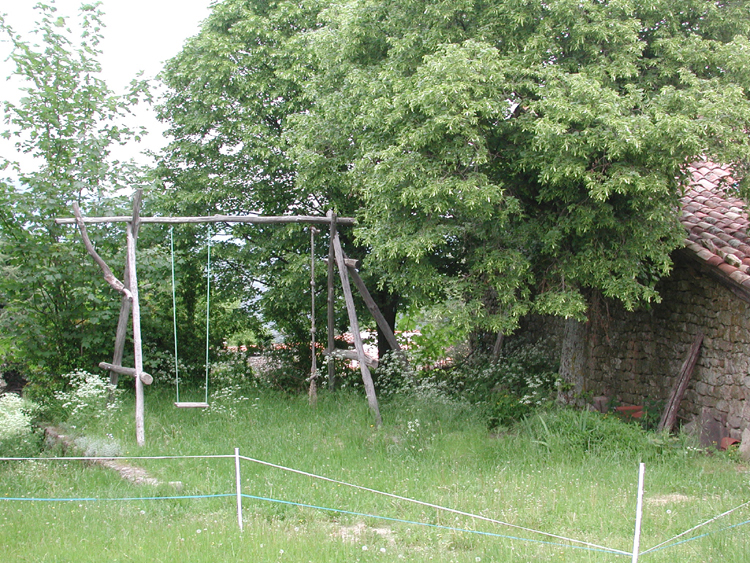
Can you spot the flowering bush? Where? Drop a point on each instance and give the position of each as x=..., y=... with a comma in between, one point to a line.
x=89, y=396
x=17, y=434
x=15, y=416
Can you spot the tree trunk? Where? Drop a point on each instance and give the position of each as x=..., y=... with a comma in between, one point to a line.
x=573, y=360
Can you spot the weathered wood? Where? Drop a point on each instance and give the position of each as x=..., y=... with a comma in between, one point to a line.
x=257, y=219
x=145, y=377
x=122, y=321
x=312, y=392
x=186, y=405
x=108, y=275
x=373, y=308
x=331, y=301
x=669, y=417
x=350, y=355
x=120, y=334
x=137, y=343
x=350, y=263
x=372, y=399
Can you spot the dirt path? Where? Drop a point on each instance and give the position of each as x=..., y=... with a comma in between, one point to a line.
x=136, y=475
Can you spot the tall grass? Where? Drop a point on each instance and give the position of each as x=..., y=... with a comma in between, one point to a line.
x=568, y=473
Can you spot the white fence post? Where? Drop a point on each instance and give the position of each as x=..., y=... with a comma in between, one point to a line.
x=638, y=513
x=239, y=486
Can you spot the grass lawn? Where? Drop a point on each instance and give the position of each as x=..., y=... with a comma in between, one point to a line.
x=570, y=474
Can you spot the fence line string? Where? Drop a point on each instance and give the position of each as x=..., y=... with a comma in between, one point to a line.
x=727, y=513
x=436, y=506
x=702, y=535
x=586, y=545
x=439, y=526
x=114, y=458
x=124, y=499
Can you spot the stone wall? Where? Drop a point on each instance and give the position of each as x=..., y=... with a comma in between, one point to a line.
x=635, y=357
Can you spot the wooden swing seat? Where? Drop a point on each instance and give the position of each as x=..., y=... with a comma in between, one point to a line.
x=183, y=405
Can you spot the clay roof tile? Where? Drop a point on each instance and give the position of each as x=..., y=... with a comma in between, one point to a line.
x=716, y=222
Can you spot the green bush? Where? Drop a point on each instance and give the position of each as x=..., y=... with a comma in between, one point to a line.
x=524, y=378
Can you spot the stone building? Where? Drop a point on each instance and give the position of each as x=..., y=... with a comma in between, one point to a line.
x=634, y=357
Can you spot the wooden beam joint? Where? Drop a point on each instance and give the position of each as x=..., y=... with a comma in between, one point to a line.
x=350, y=355
x=144, y=377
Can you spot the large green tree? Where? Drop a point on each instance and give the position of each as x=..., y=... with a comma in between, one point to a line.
x=527, y=153
x=519, y=156
x=230, y=93
x=57, y=314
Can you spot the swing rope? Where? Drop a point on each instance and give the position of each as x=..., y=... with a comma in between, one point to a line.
x=174, y=321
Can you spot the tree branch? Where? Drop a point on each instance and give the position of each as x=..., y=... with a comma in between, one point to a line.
x=108, y=275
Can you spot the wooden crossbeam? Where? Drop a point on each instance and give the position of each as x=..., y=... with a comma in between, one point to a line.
x=257, y=219
x=350, y=355
x=145, y=377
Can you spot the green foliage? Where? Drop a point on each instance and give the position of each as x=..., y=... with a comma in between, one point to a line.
x=525, y=150
x=98, y=447
x=57, y=312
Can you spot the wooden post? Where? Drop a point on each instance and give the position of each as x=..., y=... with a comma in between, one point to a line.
x=120, y=335
x=122, y=321
x=638, y=514
x=238, y=486
x=132, y=228
x=372, y=399
x=331, y=304
x=312, y=392
x=669, y=417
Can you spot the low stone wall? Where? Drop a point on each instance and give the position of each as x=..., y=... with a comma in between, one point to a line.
x=635, y=357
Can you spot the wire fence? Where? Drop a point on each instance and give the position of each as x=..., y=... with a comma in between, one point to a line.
x=549, y=539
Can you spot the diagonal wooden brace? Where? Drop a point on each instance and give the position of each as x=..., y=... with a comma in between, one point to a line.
x=108, y=275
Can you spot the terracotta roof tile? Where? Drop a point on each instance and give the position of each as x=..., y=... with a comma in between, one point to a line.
x=717, y=221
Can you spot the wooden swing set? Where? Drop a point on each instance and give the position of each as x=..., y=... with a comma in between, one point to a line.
x=129, y=289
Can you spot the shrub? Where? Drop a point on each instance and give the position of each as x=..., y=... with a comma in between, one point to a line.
x=89, y=396
x=16, y=415
x=18, y=437
x=524, y=378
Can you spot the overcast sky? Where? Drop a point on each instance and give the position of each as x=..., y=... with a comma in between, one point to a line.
x=140, y=35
